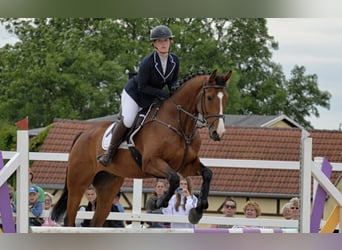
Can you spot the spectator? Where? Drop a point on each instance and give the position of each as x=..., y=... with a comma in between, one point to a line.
x=295, y=208
x=119, y=207
x=11, y=194
x=48, y=201
x=151, y=203
x=91, y=197
x=117, y=203
x=35, y=207
x=286, y=211
x=40, y=190
x=229, y=210
x=181, y=203
x=251, y=210
x=48, y=208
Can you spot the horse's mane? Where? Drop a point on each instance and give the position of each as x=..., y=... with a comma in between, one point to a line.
x=191, y=75
x=186, y=78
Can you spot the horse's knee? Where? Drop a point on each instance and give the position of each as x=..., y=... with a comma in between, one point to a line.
x=173, y=180
x=206, y=173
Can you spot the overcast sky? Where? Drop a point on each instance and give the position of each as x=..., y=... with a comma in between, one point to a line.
x=315, y=44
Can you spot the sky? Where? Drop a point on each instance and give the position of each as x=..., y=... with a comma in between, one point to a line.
x=316, y=44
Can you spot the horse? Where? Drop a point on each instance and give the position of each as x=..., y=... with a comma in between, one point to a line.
x=166, y=146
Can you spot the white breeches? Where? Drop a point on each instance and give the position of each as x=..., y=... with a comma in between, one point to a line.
x=129, y=109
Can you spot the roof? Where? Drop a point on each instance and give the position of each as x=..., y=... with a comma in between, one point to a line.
x=278, y=144
x=259, y=121
x=230, y=120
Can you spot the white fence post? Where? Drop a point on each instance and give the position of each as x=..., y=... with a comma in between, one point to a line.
x=305, y=190
x=137, y=197
x=22, y=181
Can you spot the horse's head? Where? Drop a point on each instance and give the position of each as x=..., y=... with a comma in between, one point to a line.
x=212, y=102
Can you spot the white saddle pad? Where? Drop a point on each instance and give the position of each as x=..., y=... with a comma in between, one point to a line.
x=108, y=136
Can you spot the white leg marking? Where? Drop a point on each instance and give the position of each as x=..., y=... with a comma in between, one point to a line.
x=220, y=128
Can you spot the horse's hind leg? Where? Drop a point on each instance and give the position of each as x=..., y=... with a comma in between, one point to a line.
x=78, y=179
x=107, y=187
x=76, y=191
x=196, y=213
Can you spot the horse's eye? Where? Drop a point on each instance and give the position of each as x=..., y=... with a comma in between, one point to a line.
x=209, y=97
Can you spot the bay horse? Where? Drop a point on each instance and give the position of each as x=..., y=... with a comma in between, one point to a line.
x=168, y=143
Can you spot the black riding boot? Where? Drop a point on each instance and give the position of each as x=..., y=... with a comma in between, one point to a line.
x=117, y=136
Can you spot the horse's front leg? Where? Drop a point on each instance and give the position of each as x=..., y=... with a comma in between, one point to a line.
x=173, y=180
x=196, y=213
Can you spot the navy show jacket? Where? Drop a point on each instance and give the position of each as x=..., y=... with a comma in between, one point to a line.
x=149, y=82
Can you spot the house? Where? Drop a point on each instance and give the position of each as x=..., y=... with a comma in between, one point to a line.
x=270, y=187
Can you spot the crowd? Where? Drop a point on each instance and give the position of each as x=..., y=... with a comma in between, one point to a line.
x=180, y=203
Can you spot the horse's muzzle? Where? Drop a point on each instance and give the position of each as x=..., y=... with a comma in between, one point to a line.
x=214, y=135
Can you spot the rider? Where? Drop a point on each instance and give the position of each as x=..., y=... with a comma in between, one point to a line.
x=156, y=70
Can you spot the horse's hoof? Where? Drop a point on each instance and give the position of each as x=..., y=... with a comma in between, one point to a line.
x=194, y=216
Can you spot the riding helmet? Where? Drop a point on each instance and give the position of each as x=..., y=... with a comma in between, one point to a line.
x=160, y=31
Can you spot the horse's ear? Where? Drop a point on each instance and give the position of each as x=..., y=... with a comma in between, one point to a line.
x=212, y=75
x=227, y=76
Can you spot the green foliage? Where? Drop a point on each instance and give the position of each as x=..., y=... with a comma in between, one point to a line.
x=75, y=68
x=8, y=138
x=38, y=140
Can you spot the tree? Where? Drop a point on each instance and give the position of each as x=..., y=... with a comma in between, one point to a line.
x=304, y=96
x=76, y=67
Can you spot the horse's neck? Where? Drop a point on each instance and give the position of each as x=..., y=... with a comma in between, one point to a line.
x=187, y=98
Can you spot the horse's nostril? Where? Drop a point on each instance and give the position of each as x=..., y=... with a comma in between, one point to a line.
x=214, y=136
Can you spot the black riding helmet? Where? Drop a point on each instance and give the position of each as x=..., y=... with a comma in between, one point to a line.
x=159, y=32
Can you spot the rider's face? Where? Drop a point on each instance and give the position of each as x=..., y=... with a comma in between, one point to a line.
x=162, y=45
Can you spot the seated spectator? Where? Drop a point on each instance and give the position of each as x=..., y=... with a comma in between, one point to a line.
x=48, y=201
x=35, y=207
x=91, y=196
x=229, y=210
x=11, y=194
x=151, y=204
x=294, y=202
x=48, y=207
x=182, y=202
x=251, y=210
x=40, y=190
x=286, y=211
x=116, y=202
x=118, y=207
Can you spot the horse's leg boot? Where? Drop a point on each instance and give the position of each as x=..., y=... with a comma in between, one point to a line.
x=118, y=134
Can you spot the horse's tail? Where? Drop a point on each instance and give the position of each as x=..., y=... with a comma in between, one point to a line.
x=60, y=207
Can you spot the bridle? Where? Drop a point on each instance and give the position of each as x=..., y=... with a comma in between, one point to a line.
x=203, y=110
x=203, y=119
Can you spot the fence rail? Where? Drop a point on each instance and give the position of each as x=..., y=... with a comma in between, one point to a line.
x=18, y=162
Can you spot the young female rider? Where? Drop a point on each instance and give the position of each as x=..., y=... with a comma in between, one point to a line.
x=155, y=72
